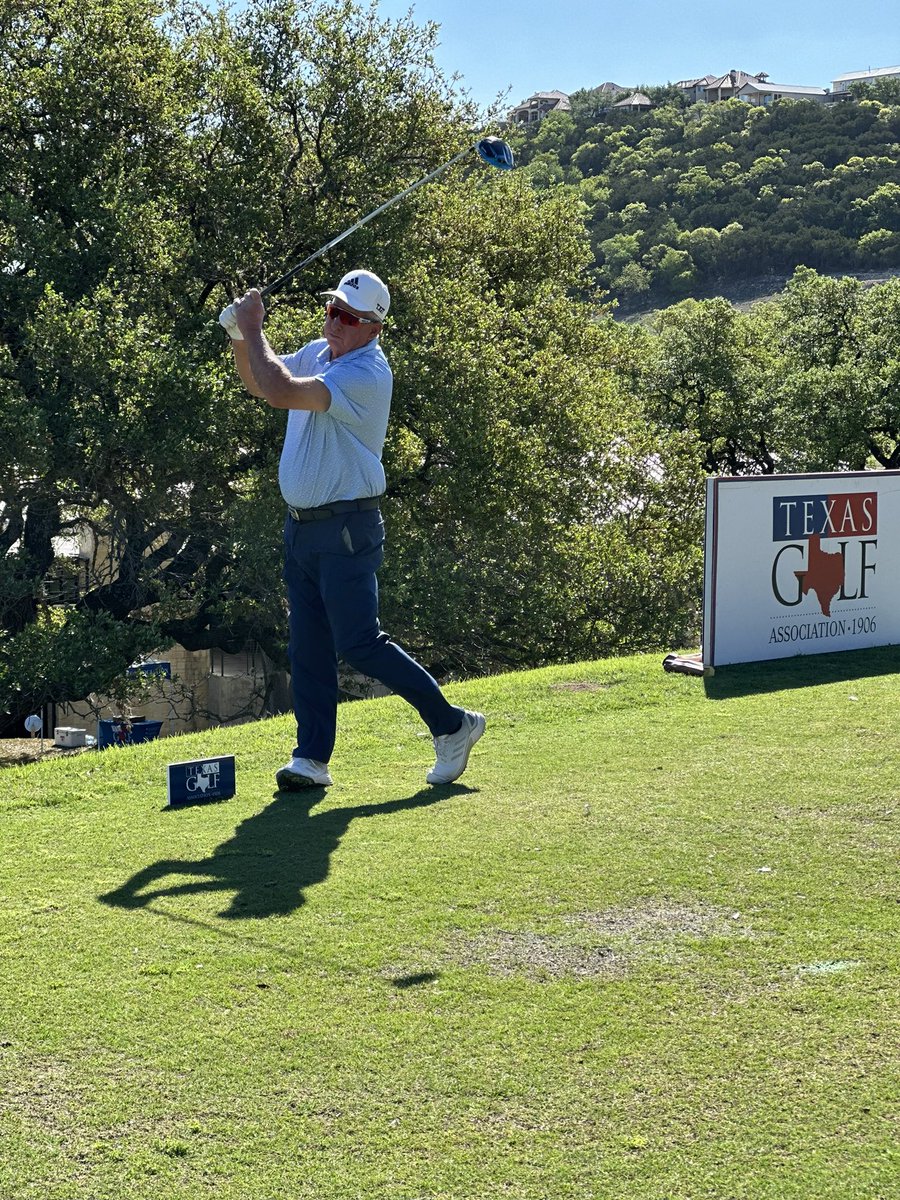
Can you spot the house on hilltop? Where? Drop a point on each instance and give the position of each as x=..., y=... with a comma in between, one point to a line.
x=695, y=89
x=729, y=85
x=765, y=94
x=607, y=91
x=753, y=89
x=536, y=107
x=841, y=85
x=604, y=95
x=636, y=102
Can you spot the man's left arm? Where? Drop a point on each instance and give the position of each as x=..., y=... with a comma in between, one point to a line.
x=279, y=388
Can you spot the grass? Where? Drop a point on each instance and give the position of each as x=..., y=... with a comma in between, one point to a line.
x=645, y=949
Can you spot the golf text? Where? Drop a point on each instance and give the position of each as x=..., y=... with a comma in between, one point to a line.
x=202, y=777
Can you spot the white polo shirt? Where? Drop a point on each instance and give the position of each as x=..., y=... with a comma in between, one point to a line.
x=336, y=455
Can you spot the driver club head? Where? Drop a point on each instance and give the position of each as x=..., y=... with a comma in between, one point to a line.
x=496, y=153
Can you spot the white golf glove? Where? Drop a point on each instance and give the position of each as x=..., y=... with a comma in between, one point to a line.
x=228, y=321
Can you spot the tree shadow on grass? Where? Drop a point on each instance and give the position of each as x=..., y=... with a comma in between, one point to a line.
x=807, y=670
x=271, y=860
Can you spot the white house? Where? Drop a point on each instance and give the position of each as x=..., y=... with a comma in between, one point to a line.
x=536, y=107
x=765, y=93
x=841, y=85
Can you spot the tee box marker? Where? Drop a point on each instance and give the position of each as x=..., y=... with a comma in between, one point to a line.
x=200, y=779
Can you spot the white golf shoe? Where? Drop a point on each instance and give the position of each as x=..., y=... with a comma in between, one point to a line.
x=301, y=773
x=452, y=749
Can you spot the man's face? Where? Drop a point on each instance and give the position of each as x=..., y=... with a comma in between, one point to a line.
x=341, y=337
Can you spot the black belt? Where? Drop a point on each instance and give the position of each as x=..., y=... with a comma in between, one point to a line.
x=324, y=511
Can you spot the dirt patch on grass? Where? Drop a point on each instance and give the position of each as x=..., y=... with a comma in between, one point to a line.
x=14, y=752
x=605, y=944
x=538, y=956
x=659, y=921
x=42, y=1093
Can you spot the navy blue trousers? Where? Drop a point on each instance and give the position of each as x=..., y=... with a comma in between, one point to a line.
x=329, y=569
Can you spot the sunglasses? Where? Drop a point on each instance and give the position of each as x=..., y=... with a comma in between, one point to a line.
x=346, y=318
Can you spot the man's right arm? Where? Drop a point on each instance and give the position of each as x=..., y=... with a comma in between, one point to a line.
x=262, y=372
x=242, y=363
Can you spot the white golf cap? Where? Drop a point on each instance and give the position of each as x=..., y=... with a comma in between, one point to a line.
x=363, y=291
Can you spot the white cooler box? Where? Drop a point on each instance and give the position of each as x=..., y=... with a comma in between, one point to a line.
x=67, y=735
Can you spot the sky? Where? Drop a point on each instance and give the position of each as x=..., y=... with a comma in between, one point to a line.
x=524, y=46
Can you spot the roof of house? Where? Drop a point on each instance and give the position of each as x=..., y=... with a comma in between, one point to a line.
x=705, y=80
x=866, y=74
x=754, y=85
x=543, y=102
x=554, y=95
x=635, y=100
x=609, y=86
x=554, y=101
x=735, y=79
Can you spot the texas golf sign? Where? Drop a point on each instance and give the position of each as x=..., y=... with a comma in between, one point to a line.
x=801, y=564
x=201, y=779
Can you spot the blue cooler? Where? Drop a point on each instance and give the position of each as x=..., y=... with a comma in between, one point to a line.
x=112, y=732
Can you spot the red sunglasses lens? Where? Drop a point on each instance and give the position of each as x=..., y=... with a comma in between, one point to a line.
x=345, y=318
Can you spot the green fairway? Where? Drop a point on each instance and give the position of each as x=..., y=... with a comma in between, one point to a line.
x=645, y=949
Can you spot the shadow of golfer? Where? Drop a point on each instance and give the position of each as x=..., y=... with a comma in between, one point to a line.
x=271, y=860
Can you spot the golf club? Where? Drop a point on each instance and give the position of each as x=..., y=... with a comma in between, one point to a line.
x=491, y=150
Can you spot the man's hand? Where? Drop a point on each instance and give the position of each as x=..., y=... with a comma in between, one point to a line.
x=228, y=321
x=249, y=312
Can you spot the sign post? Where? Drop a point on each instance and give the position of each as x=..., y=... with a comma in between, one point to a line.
x=800, y=564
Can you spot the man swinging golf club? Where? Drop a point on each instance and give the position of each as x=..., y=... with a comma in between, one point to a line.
x=337, y=391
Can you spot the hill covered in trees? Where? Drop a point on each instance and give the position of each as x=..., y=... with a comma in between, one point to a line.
x=678, y=198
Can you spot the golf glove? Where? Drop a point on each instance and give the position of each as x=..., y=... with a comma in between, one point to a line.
x=228, y=321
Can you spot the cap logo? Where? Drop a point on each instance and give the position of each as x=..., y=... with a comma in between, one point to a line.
x=354, y=282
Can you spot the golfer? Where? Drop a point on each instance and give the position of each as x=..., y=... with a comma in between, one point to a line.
x=337, y=391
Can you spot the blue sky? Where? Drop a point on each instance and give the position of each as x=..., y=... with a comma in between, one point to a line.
x=535, y=45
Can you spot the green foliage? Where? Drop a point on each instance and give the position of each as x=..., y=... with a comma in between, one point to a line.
x=65, y=655
x=505, y=501
x=834, y=372
x=808, y=382
x=795, y=184
x=157, y=158
x=160, y=158
x=886, y=91
x=618, y=252
x=703, y=374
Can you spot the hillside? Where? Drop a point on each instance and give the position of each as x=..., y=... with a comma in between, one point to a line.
x=646, y=947
x=679, y=198
x=745, y=294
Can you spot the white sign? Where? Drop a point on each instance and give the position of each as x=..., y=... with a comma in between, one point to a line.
x=800, y=564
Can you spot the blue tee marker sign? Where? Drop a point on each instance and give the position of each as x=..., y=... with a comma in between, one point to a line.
x=201, y=779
